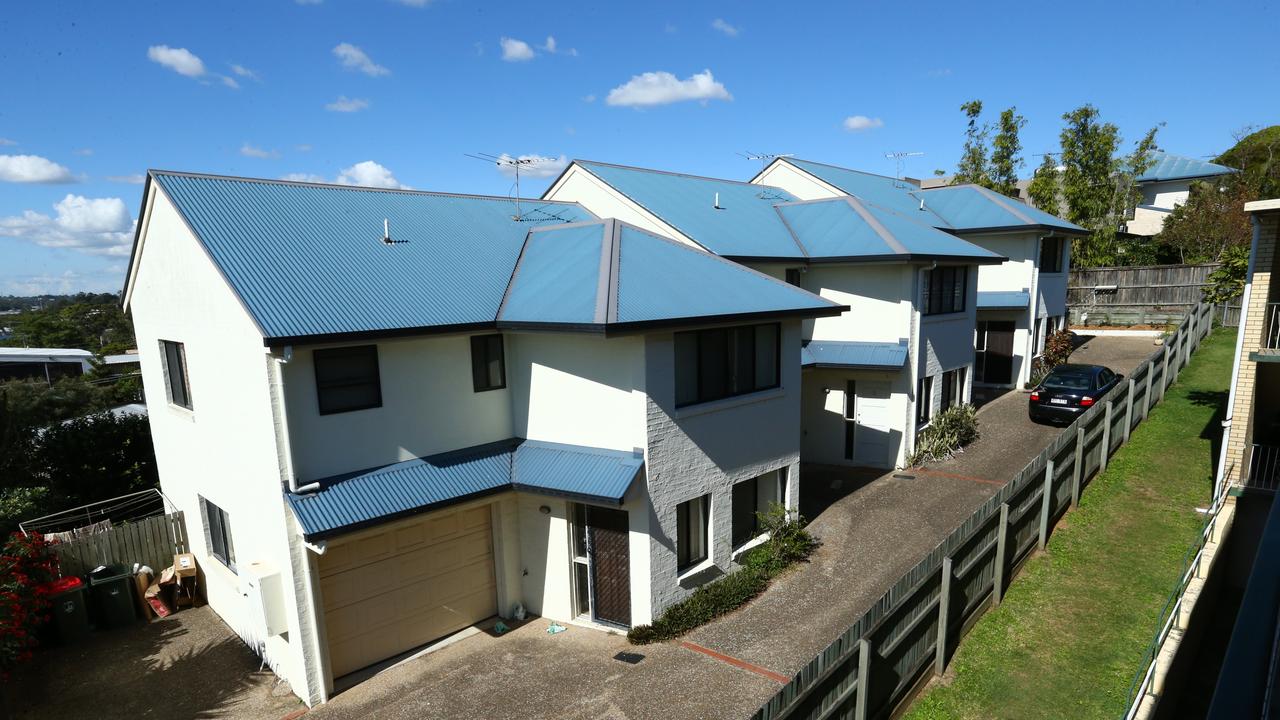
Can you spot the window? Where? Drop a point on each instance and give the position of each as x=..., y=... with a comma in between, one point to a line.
x=488, y=365
x=720, y=363
x=347, y=379
x=924, y=399
x=850, y=417
x=952, y=388
x=691, y=531
x=751, y=497
x=945, y=289
x=793, y=276
x=174, y=355
x=581, y=569
x=217, y=533
x=1051, y=252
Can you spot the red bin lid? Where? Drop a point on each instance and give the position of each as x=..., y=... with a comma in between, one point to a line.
x=61, y=585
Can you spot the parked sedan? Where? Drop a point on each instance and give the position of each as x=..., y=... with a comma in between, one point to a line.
x=1069, y=390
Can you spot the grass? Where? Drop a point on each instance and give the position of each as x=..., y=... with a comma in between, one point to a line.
x=1071, y=633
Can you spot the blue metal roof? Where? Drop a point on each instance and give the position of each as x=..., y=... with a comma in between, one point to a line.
x=1001, y=299
x=744, y=224
x=849, y=354
x=848, y=228
x=354, y=500
x=610, y=273
x=1167, y=166
x=957, y=208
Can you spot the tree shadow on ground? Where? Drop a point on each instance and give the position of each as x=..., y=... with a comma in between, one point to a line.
x=1212, y=430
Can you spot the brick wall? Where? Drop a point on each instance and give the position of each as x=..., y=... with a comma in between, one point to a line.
x=1253, y=328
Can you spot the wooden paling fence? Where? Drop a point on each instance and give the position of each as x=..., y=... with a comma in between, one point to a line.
x=1141, y=295
x=915, y=626
x=151, y=541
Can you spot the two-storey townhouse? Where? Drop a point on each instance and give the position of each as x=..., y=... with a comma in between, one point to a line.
x=389, y=414
x=1020, y=301
x=1166, y=185
x=874, y=375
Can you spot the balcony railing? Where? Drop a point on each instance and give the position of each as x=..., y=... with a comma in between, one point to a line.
x=1264, y=467
x=1271, y=333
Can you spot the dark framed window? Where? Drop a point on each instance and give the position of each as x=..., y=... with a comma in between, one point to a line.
x=724, y=362
x=850, y=417
x=177, y=386
x=924, y=399
x=691, y=531
x=793, y=276
x=945, y=290
x=347, y=379
x=750, y=498
x=952, y=388
x=1051, y=254
x=488, y=364
x=217, y=533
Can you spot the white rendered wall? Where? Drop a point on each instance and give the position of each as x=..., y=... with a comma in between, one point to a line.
x=1158, y=200
x=878, y=296
x=1016, y=273
x=946, y=343
x=429, y=406
x=224, y=449
x=804, y=186
x=823, y=413
x=580, y=186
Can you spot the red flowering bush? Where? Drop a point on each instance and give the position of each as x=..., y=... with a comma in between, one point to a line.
x=27, y=564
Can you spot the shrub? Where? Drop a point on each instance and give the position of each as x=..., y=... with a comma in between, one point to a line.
x=27, y=562
x=949, y=431
x=1057, y=348
x=788, y=543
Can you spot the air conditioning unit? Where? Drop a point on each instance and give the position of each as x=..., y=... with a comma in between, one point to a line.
x=264, y=591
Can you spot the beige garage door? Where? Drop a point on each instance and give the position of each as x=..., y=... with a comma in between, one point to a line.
x=393, y=589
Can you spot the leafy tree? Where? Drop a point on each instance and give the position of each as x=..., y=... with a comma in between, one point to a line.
x=1210, y=223
x=1227, y=281
x=1045, y=187
x=93, y=322
x=1005, y=153
x=1257, y=156
x=973, y=165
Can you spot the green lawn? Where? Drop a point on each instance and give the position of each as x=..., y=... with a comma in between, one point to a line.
x=1072, y=630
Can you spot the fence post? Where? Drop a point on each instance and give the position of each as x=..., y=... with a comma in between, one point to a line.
x=1077, y=472
x=1128, y=412
x=1146, y=396
x=1046, y=503
x=1002, y=534
x=864, y=671
x=944, y=609
x=1106, y=439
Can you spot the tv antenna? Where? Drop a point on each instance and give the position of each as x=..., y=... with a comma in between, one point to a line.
x=515, y=164
x=765, y=158
x=899, y=158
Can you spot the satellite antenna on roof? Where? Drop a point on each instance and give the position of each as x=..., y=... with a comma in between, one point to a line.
x=515, y=164
x=765, y=158
x=899, y=158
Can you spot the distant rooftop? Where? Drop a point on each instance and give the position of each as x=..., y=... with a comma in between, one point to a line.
x=12, y=354
x=1168, y=166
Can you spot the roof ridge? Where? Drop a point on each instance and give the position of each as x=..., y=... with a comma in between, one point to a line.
x=841, y=167
x=677, y=174
x=1002, y=201
x=876, y=226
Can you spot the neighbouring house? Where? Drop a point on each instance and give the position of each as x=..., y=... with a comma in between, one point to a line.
x=48, y=364
x=389, y=415
x=1165, y=186
x=1020, y=300
x=874, y=375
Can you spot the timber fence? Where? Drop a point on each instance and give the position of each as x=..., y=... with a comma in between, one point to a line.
x=1142, y=295
x=150, y=541
x=875, y=664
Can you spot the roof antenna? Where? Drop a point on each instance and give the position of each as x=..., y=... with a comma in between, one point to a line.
x=765, y=158
x=386, y=234
x=899, y=158
x=716, y=203
x=515, y=163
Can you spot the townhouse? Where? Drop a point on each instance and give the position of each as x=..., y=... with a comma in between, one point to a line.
x=389, y=414
x=874, y=375
x=1166, y=185
x=1020, y=301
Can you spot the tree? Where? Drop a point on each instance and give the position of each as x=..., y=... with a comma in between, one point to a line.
x=86, y=321
x=1210, y=223
x=1257, y=156
x=1005, y=153
x=973, y=167
x=1045, y=188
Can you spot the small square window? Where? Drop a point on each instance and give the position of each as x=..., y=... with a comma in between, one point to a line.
x=217, y=533
x=347, y=379
x=177, y=386
x=1051, y=255
x=488, y=365
x=691, y=531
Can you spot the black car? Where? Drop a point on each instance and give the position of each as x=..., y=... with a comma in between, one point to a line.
x=1069, y=390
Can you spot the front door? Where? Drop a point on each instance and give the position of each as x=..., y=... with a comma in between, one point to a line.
x=609, y=547
x=871, y=423
x=994, y=359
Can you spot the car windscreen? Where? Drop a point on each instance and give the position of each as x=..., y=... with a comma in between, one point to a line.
x=1068, y=381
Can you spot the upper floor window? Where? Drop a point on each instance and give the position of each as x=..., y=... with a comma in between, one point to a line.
x=488, y=367
x=723, y=362
x=1051, y=254
x=347, y=379
x=178, y=387
x=793, y=276
x=945, y=289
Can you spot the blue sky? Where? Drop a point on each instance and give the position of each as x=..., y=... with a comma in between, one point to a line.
x=396, y=91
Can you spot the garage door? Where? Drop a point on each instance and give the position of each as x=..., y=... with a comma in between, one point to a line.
x=391, y=590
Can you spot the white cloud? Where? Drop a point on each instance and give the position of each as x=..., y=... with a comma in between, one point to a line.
x=940, y=72
x=541, y=167
x=550, y=44
x=252, y=151
x=229, y=81
x=308, y=2
x=32, y=169
x=859, y=123
x=589, y=98
x=661, y=88
x=726, y=28
x=364, y=174
x=302, y=148
x=244, y=72
x=107, y=280
x=127, y=179
x=353, y=58
x=179, y=60
x=98, y=226
x=7, y=141
x=83, y=152
x=346, y=104
x=414, y=3
x=515, y=50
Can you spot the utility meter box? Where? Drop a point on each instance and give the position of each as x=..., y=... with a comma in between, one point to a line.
x=264, y=589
